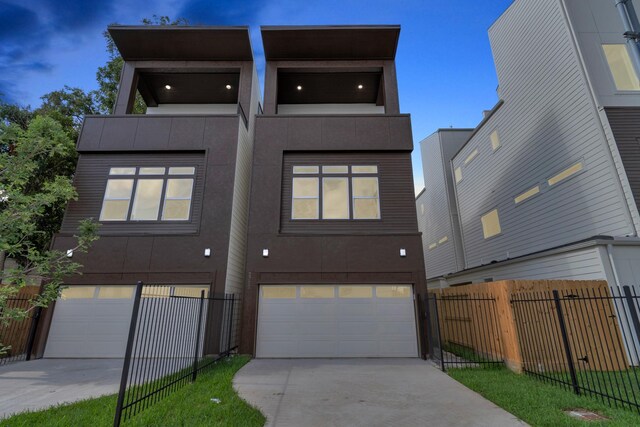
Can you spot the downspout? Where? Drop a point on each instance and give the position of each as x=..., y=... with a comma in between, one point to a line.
x=616, y=279
x=631, y=28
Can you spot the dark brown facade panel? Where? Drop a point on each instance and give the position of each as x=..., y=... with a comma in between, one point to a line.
x=395, y=179
x=625, y=124
x=158, y=133
x=91, y=177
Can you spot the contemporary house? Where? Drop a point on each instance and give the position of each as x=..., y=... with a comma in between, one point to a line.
x=170, y=188
x=334, y=257
x=304, y=210
x=547, y=185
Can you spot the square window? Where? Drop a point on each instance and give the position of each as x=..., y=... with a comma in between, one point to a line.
x=393, y=291
x=306, y=198
x=115, y=292
x=624, y=75
x=117, y=197
x=278, y=292
x=490, y=224
x=314, y=292
x=355, y=292
x=78, y=292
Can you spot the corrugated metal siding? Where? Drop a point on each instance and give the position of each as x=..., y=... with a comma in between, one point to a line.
x=547, y=123
x=437, y=221
x=583, y=264
x=625, y=125
x=397, y=201
x=90, y=181
x=234, y=282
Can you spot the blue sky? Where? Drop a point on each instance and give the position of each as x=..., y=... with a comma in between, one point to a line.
x=445, y=70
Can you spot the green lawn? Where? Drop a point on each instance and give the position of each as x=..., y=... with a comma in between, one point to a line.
x=189, y=406
x=536, y=402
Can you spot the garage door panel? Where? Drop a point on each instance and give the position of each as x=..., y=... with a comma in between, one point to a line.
x=342, y=326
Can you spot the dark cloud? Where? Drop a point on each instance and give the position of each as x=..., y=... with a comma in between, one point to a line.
x=28, y=33
x=220, y=12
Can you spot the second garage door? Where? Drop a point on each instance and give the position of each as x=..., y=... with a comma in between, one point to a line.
x=336, y=321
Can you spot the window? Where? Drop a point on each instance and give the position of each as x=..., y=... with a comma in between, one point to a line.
x=565, y=174
x=527, y=194
x=443, y=240
x=115, y=292
x=314, y=292
x=78, y=292
x=471, y=156
x=458, y=174
x=355, y=292
x=278, y=292
x=150, y=188
x=393, y=291
x=495, y=140
x=490, y=224
x=621, y=67
x=330, y=192
x=433, y=245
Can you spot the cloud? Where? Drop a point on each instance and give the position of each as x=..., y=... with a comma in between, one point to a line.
x=30, y=34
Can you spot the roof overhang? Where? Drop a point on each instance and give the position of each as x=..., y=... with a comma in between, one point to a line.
x=182, y=43
x=330, y=42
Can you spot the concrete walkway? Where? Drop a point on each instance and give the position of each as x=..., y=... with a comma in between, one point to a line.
x=39, y=384
x=363, y=392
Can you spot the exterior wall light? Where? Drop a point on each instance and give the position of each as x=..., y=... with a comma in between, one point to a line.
x=207, y=252
x=69, y=253
x=167, y=87
x=299, y=87
x=228, y=87
x=403, y=252
x=265, y=253
x=360, y=86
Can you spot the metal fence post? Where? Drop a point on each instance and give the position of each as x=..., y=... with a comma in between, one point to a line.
x=197, y=349
x=632, y=310
x=437, y=327
x=127, y=355
x=32, y=331
x=565, y=341
x=233, y=301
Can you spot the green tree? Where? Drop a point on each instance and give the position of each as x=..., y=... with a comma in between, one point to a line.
x=29, y=187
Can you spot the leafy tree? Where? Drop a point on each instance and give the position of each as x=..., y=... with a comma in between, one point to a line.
x=108, y=76
x=68, y=106
x=30, y=184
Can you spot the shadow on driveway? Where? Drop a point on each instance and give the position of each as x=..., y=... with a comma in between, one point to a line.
x=38, y=384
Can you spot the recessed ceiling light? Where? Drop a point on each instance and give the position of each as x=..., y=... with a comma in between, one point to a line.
x=228, y=86
x=360, y=86
x=167, y=87
x=299, y=87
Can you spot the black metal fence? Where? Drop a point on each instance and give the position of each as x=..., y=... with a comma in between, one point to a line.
x=586, y=340
x=174, y=335
x=463, y=330
x=18, y=335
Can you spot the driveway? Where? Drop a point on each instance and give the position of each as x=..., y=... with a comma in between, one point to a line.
x=41, y=383
x=363, y=392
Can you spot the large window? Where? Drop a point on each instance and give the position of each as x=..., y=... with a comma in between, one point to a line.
x=333, y=192
x=624, y=75
x=490, y=224
x=148, y=194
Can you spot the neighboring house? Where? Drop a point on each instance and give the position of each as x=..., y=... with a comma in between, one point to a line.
x=170, y=188
x=547, y=186
x=334, y=256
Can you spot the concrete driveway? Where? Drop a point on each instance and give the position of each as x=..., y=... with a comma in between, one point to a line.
x=363, y=392
x=38, y=384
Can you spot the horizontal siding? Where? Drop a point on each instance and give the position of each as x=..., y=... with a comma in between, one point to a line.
x=90, y=182
x=625, y=125
x=546, y=124
x=395, y=180
x=436, y=219
x=584, y=264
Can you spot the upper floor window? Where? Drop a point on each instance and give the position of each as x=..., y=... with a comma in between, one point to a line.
x=335, y=192
x=495, y=140
x=490, y=224
x=621, y=67
x=148, y=194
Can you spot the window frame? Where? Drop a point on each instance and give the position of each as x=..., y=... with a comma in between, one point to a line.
x=482, y=227
x=349, y=176
x=636, y=72
x=138, y=176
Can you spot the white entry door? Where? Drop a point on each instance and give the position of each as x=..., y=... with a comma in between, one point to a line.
x=336, y=321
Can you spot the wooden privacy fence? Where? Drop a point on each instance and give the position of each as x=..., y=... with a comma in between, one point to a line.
x=17, y=333
x=521, y=325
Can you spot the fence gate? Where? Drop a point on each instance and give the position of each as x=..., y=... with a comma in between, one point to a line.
x=463, y=330
x=18, y=335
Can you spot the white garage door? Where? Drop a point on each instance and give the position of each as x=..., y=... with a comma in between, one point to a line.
x=336, y=321
x=91, y=321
